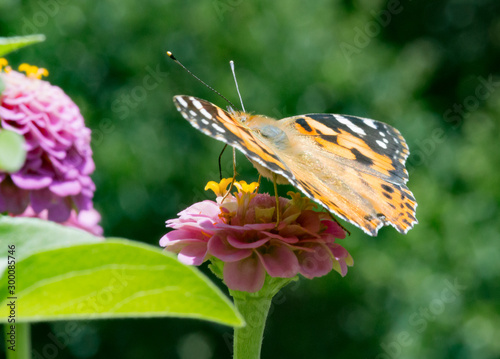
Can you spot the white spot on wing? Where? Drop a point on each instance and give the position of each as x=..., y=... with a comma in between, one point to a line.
x=370, y=123
x=381, y=144
x=205, y=122
x=385, y=140
x=382, y=134
x=351, y=125
x=181, y=101
x=218, y=128
x=206, y=114
x=196, y=103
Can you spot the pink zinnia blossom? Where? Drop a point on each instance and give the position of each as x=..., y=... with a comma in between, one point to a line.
x=88, y=220
x=241, y=231
x=55, y=179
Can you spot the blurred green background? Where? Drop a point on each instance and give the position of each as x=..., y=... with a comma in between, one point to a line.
x=429, y=68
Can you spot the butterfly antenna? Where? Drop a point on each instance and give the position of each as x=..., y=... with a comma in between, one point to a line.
x=231, y=63
x=196, y=77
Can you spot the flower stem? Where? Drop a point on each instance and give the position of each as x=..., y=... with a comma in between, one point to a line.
x=248, y=339
x=22, y=341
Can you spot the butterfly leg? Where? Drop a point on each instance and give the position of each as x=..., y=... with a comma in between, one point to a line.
x=234, y=175
x=258, y=183
x=220, y=157
x=278, y=219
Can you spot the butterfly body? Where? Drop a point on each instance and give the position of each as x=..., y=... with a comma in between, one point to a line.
x=352, y=166
x=267, y=131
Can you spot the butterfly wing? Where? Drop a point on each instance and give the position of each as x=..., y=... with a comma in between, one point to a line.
x=223, y=126
x=353, y=166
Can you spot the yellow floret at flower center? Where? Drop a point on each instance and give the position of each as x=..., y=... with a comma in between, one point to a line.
x=4, y=65
x=220, y=189
x=33, y=71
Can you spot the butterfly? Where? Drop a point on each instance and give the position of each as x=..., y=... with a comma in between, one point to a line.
x=353, y=166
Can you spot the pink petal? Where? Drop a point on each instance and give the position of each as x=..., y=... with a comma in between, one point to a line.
x=89, y=221
x=206, y=208
x=220, y=248
x=246, y=275
x=206, y=223
x=291, y=239
x=182, y=235
x=259, y=226
x=12, y=199
x=40, y=199
x=59, y=211
x=237, y=243
x=247, y=227
x=296, y=230
x=66, y=188
x=338, y=251
x=177, y=246
x=317, y=263
x=31, y=181
x=280, y=261
x=310, y=221
x=334, y=229
x=193, y=254
x=83, y=201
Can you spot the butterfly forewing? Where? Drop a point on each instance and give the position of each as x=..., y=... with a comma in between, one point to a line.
x=223, y=126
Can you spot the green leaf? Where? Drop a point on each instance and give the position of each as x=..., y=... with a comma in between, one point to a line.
x=9, y=44
x=93, y=279
x=33, y=235
x=12, y=152
x=2, y=86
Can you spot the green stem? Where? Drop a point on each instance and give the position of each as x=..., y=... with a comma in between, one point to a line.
x=254, y=308
x=248, y=339
x=22, y=341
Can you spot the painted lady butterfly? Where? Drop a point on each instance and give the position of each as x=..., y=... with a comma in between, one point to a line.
x=353, y=166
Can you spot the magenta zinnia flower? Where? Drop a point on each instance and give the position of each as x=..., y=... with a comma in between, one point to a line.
x=241, y=231
x=55, y=178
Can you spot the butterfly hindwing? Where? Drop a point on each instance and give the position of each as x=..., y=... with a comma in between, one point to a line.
x=356, y=170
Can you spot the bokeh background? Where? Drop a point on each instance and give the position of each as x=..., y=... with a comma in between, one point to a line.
x=429, y=68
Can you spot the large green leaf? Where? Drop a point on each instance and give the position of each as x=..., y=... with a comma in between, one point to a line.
x=93, y=279
x=9, y=44
x=32, y=235
x=12, y=152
